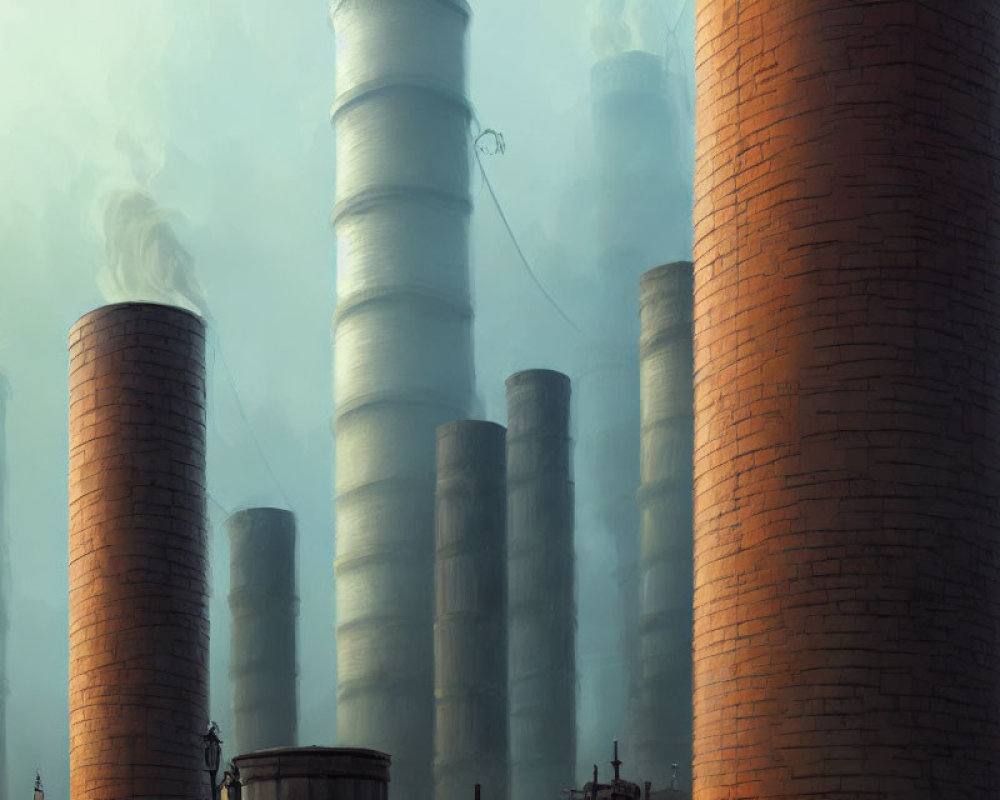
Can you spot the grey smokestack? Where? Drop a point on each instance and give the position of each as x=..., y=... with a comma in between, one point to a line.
x=4, y=587
x=264, y=608
x=542, y=616
x=634, y=139
x=470, y=630
x=663, y=724
x=402, y=355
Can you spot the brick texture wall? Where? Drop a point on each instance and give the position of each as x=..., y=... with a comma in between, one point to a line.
x=138, y=680
x=847, y=590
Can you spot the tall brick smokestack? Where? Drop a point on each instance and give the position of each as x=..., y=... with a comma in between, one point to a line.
x=264, y=608
x=663, y=707
x=540, y=585
x=402, y=355
x=847, y=418
x=470, y=626
x=138, y=615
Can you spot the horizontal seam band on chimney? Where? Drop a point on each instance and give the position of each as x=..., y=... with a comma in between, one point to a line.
x=405, y=397
x=459, y=6
x=362, y=91
x=650, y=490
x=461, y=308
x=381, y=685
x=680, y=332
x=364, y=200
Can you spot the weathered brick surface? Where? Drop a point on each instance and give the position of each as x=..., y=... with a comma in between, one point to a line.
x=138, y=682
x=847, y=594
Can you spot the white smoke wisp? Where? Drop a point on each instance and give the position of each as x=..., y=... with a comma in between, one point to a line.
x=144, y=261
x=610, y=34
x=621, y=25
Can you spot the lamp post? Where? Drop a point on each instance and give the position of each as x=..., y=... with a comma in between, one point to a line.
x=213, y=753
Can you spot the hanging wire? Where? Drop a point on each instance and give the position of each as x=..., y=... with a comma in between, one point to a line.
x=499, y=147
x=217, y=349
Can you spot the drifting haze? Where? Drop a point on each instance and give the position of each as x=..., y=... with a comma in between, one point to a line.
x=221, y=111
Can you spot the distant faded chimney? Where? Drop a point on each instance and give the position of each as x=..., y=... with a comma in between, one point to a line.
x=264, y=608
x=642, y=217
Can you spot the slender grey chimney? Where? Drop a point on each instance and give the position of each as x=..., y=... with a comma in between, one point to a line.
x=664, y=715
x=470, y=629
x=264, y=609
x=402, y=355
x=542, y=616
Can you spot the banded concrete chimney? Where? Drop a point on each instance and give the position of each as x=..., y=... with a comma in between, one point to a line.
x=663, y=707
x=470, y=629
x=541, y=597
x=138, y=613
x=264, y=608
x=847, y=413
x=402, y=355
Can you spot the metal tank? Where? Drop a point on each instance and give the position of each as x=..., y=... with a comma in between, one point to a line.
x=663, y=688
x=138, y=614
x=847, y=413
x=542, y=602
x=470, y=629
x=264, y=609
x=402, y=354
x=313, y=773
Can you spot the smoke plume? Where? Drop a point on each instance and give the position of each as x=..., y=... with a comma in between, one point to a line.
x=610, y=35
x=144, y=261
x=621, y=25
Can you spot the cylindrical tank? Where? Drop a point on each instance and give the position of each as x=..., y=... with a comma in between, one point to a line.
x=847, y=417
x=663, y=707
x=540, y=585
x=314, y=773
x=264, y=609
x=470, y=628
x=402, y=355
x=138, y=615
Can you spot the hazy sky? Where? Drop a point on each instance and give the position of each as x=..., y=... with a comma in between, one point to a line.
x=221, y=109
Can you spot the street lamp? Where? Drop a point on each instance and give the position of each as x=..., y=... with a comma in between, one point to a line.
x=213, y=754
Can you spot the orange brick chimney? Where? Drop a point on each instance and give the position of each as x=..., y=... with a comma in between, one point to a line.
x=847, y=415
x=138, y=675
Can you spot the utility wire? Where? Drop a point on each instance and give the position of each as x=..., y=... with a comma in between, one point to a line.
x=499, y=148
x=217, y=349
